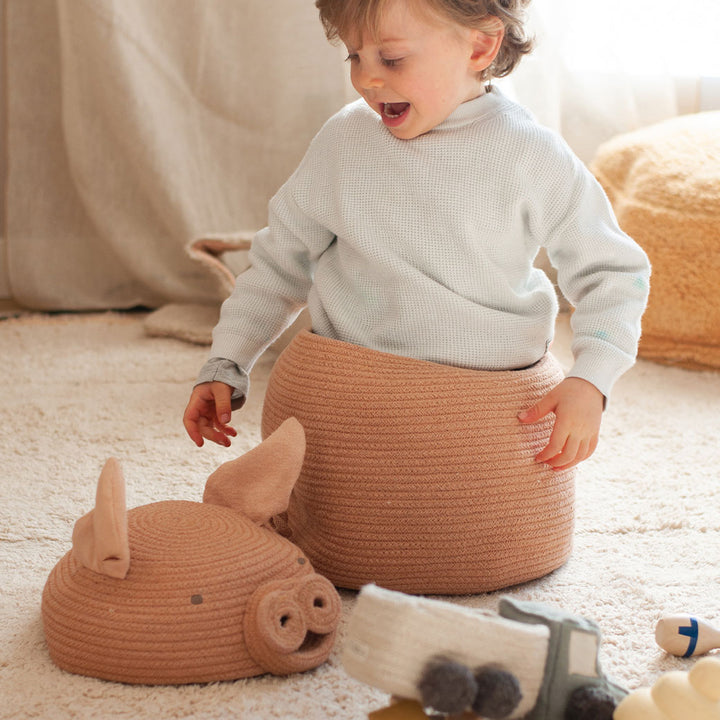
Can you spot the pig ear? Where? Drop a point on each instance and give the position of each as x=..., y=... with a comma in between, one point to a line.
x=258, y=484
x=100, y=538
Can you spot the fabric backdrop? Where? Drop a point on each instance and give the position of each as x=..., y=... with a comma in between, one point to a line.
x=136, y=127
x=591, y=74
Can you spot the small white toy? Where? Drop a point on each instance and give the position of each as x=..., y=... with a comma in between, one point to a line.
x=677, y=695
x=686, y=635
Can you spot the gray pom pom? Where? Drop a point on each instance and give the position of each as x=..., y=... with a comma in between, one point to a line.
x=590, y=703
x=446, y=687
x=498, y=693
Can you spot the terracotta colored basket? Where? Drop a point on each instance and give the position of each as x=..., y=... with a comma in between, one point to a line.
x=418, y=476
x=179, y=592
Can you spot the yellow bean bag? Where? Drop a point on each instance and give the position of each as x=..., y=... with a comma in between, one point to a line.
x=664, y=184
x=419, y=476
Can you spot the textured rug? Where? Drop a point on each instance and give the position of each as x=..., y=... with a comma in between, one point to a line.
x=76, y=389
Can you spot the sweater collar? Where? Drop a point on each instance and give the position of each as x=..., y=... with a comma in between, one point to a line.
x=486, y=104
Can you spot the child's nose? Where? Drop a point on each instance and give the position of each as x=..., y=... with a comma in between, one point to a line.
x=369, y=80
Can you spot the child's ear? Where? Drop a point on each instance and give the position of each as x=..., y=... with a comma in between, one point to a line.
x=486, y=44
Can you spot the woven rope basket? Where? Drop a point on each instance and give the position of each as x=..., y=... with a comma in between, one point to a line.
x=196, y=605
x=418, y=476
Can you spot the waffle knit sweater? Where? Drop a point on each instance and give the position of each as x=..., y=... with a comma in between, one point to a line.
x=425, y=248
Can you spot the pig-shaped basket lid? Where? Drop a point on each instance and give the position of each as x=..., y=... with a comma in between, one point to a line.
x=185, y=592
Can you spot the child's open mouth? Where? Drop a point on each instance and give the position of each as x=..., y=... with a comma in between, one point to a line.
x=394, y=113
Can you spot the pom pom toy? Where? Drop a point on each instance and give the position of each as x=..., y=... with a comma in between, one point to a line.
x=440, y=659
x=186, y=592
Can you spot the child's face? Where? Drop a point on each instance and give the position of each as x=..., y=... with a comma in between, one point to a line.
x=417, y=71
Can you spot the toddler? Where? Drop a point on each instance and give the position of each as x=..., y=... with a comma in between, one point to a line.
x=412, y=224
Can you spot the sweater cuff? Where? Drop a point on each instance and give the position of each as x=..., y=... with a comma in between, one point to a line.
x=226, y=371
x=601, y=374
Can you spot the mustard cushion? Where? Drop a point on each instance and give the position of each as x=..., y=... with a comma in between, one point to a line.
x=664, y=184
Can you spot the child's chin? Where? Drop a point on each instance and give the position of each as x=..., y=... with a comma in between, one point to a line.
x=406, y=133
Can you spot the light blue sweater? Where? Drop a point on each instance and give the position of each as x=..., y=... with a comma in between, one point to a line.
x=425, y=248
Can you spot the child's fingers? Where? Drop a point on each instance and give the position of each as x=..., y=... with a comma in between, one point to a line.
x=195, y=435
x=210, y=431
x=222, y=395
x=575, y=432
x=207, y=414
x=556, y=443
x=539, y=410
x=229, y=430
x=190, y=422
x=198, y=426
x=221, y=430
x=569, y=456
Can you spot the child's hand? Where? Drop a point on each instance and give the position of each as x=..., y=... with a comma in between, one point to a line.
x=208, y=413
x=578, y=408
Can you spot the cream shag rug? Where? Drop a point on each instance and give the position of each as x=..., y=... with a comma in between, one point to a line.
x=77, y=389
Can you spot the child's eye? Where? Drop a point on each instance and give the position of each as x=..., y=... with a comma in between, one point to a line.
x=386, y=62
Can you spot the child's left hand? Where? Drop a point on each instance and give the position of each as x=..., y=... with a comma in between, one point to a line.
x=578, y=408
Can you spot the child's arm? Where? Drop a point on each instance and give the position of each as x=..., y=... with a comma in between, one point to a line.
x=208, y=413
x=269, y=295
x=578, y=407
x=602, y=272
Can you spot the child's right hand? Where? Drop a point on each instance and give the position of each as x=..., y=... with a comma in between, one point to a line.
x=208, y=413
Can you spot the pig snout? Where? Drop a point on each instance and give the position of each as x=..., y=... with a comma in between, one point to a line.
x=290, y=624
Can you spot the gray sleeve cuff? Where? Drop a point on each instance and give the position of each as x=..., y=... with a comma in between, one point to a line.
x=226, y=371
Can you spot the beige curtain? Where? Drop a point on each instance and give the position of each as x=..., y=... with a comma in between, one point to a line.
x=135, y=127
x=605, y=67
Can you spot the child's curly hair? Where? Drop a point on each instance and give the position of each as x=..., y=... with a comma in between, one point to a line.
x=340, y=17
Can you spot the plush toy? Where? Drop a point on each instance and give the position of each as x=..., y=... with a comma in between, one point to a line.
x=530, y=661
x=185, y=592
x=677, y=695
x=686, y=635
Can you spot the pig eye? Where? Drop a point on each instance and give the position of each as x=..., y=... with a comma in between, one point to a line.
x=196, y=599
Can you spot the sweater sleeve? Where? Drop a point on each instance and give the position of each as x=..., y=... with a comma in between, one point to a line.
x=601, y=271
x=226, y=371
x=270, y=294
